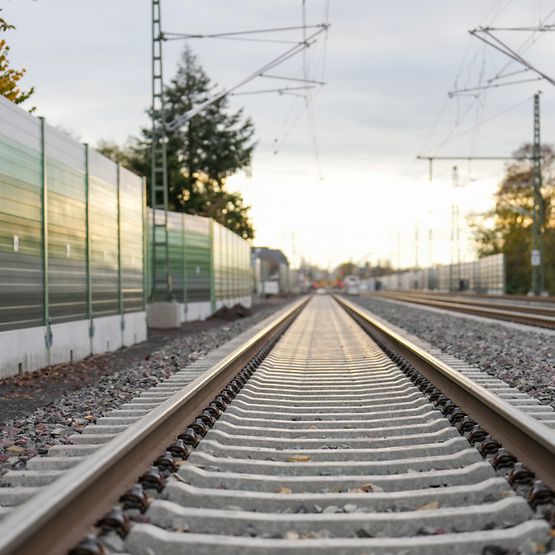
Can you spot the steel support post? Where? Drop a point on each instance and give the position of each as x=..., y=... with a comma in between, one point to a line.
x=212, y=269
x=44, y=209
x=120, y=280
x=146, y=268
x=184, y=260
x=88, y=256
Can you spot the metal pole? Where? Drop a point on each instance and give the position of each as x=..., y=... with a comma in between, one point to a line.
x=146, y=268
x=398, y=261
x=184, y=255
x=88, y=245
x=537, y=259
x=454, y=277
x=44, y=207
x=212, y=268
x=161, y=277
x=430, y=239
x=120, y=280
x=416, y=246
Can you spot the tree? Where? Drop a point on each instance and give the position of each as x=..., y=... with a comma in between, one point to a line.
x=9, y=78
x=124, y=155
x=202, y=155
x=345, y=269
x=507, y=228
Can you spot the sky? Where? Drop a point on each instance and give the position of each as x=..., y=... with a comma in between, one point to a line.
x=335, y=178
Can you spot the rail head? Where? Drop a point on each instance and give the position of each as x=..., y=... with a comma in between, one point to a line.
x=527, y=438
x=61, y=513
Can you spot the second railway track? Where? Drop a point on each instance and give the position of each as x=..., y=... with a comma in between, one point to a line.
x=532, y=313
x=330, y=447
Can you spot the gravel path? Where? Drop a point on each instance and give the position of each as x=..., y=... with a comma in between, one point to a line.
x=523, y=359
x=66, y=413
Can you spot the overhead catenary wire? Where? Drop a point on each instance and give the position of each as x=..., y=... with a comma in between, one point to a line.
x=312, y=66
x=309, y=104
x=487, y=120
x=472, y=89
x=497, y=85
x=281, y=90
x=484, y=33
x=501, y=46
x=184, y=118
x=169, y=35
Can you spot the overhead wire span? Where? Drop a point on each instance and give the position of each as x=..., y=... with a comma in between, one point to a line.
x=463, y=80
x=309, y=101
x=498, y=44
x=487, y=120
x=494, y=86
x=303, y=80
x=485, y=34
x=168, y=35
x=281, y=90
x=310, y=79
x=181, y=120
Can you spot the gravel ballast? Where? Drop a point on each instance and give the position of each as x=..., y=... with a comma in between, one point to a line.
x=51, y=424
x=523, y=357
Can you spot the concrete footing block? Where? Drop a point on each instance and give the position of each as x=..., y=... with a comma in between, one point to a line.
x=163, y=315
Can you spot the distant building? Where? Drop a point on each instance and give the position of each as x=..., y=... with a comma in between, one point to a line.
x=271, y=269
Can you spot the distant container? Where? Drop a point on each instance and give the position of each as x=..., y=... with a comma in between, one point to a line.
x=352, y=285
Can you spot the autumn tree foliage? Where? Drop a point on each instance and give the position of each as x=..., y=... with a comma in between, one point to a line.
x=9, y=77
x=508, y=227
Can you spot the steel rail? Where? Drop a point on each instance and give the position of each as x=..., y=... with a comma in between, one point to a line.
x=529, y=315
x=59, y=516
x=530, y=441
x=528, y=298
x=500, y=304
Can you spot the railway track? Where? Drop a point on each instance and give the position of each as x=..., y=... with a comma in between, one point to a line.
x=537, y=314
x=331, y=441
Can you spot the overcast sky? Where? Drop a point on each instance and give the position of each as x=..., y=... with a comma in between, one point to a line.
x=388, y=68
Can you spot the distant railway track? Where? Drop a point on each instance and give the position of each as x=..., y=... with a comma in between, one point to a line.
x=536, y=314
x=325, y=432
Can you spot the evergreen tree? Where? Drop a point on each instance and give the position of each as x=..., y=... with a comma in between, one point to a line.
x=202, y=154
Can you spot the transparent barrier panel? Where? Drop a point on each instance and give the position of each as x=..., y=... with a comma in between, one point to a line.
x=103, y=209
x=197, y=258
x=131, y=240
x=21, y=282
x=67, y=261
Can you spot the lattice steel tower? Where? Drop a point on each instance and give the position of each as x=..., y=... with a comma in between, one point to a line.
x=160, y=261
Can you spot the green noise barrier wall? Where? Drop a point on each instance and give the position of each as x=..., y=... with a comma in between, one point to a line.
x=208, y=262
x=71, y=228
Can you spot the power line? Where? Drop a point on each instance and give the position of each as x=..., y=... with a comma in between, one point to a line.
x=282, y=90
x=488, y=120
x=495, y=42
x=184, y=118
x=485, y=34
x=170, y=35
x=303, y=80
x=493, y=86
x=309, y=104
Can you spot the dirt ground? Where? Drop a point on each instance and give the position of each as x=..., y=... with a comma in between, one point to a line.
x=20, y=395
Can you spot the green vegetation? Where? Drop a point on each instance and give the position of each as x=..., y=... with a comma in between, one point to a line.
x=508, y=227
x=201, y=156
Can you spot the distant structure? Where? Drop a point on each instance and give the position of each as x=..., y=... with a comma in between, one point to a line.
x=483, y=276
x=272, y=273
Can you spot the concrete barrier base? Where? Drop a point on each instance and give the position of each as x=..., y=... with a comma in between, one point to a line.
x=164, y=314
